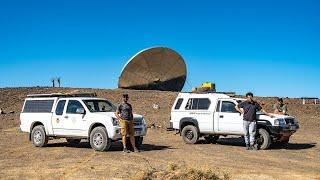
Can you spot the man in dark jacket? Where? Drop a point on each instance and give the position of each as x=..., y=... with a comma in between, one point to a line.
x=249, y=110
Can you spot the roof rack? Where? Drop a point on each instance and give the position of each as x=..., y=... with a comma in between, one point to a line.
x=62, y=95
x=213, y=92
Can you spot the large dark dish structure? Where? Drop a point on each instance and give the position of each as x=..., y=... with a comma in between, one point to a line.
x=157, y=68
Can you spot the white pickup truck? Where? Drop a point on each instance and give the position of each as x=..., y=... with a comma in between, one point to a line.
x=74, y=117
x=211, y=115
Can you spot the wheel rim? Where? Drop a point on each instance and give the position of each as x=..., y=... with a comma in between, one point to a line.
x=260, y=140
x=37, y=137
x=189, y=135
x=97, y=139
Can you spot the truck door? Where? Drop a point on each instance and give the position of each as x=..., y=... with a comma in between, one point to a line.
x=229, y=120
x=74, y=119
x=57, y=125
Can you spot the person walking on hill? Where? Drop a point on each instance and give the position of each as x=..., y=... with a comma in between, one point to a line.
x=125, y=117
x=250, y=108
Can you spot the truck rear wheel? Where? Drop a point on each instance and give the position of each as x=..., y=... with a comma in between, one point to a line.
x=38, y=136
x=190, y=134
x=263, y=139
x=99, y=140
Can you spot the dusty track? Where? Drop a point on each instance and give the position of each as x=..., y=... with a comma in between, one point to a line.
x=19, y=159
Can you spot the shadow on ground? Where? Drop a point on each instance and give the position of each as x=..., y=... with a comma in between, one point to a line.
x=240, y=142
x=116, y=146
x=294, y=146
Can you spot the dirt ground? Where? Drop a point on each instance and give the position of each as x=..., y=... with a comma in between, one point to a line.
x=19, y=159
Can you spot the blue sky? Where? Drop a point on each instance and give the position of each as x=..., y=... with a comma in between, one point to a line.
x=271, y=48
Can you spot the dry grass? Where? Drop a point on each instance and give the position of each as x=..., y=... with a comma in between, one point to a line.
x=175, y=172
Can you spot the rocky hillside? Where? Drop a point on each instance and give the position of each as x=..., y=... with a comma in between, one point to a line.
x=144, y=102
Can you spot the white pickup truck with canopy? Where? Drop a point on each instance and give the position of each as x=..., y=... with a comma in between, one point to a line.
x=211, y=115
x=74, y=117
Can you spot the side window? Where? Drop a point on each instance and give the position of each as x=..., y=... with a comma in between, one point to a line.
x=192, y=103
x=60, y=107
x=38, y=106
x=228, y=107
x=104, y=106
x=203, y=103
x=178, y=104
x=198, y=104
x=73, y=105
x=90, y=106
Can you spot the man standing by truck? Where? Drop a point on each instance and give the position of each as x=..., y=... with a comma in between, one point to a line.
x=250, y=108
x=125, y=117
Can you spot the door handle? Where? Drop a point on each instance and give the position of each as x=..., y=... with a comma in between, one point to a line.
x=66, y=117
x=221, y=116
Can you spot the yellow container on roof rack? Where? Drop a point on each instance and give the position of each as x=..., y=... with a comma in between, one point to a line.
x=209, y=85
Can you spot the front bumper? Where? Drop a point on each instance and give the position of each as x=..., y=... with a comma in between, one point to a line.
x=115, y=132
x=287, y=129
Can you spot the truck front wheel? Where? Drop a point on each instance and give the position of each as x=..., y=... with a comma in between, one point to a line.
x=263, y=139
x=38, y=136
x=190, y=134
x=99, y=140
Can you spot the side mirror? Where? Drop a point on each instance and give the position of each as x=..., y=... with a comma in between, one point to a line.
x=80, y=111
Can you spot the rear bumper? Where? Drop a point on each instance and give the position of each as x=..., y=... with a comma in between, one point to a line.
x=170, y=128
x=24, y=128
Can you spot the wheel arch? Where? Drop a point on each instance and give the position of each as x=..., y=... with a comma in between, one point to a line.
x=188, y=121
x=94, y=125
x=264, y=124
x=34, y=124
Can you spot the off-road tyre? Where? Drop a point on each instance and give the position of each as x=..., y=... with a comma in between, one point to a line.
x=39, y=137
x=263, y=139
x=190, y=134
x=99, y=140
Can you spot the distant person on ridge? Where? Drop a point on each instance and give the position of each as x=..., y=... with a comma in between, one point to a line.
x=125, y=117
x=250, y=108
x=280, y=107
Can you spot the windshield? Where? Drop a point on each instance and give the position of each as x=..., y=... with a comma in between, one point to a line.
x=95, y=105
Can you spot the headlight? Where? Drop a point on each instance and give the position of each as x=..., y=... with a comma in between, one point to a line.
x=279, y=122
x=115, y=122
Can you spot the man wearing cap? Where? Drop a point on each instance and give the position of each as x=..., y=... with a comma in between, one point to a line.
x=125, y=117
x=280, y=107
x=250, y=108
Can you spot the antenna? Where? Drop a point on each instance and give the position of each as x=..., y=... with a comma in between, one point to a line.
x=59, y=84
x=53, y=85
x=157, y=68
